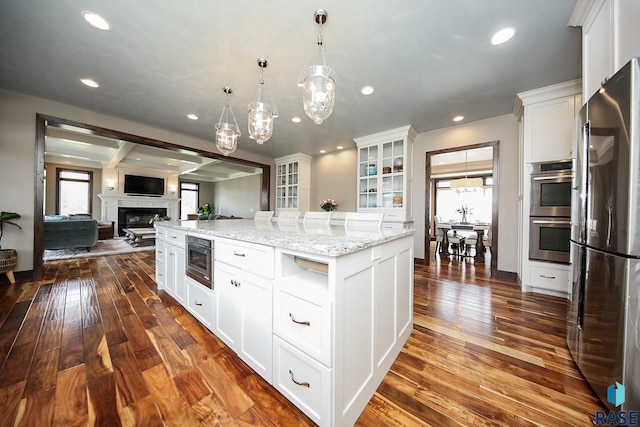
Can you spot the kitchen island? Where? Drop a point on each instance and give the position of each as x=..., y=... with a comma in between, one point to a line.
x=319, y=313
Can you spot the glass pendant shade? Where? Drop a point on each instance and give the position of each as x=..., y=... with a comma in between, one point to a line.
x=261, y=119
x=318, y=81
x=227, y=138
x=226, y=133
x=318, y=92
x=261, y=115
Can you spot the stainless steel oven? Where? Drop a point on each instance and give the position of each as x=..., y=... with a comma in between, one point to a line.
x=551, y=189
x=199, y=260
x=549, y=239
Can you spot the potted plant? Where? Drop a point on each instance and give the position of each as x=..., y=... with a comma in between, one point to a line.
x=8, y=257
x=206, y=209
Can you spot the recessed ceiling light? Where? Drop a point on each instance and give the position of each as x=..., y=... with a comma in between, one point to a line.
x=367, y=90
x=323, y=151
x=339, y=147
x=192, y=116
x=89, y=82
x=96, y=21
x=295, y=119
x=458, y=118
x=503, y=35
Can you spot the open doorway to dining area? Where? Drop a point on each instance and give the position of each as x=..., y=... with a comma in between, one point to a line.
x=461, y=209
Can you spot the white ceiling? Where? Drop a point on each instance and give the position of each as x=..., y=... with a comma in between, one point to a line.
x=428, y=60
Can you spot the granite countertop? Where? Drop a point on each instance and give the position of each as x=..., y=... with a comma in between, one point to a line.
x=331, y=240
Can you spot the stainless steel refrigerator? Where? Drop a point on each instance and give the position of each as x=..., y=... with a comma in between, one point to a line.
x=603, y=332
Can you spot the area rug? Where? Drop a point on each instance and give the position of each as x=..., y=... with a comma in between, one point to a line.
x=102, y=247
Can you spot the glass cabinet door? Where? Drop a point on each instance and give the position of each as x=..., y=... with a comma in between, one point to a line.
x=381, y=176
x=368, y=177
x=287, y=186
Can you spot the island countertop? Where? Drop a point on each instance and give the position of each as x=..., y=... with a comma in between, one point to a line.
x=333, y=240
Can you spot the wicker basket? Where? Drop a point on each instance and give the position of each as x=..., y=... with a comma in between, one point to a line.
x=8, y=260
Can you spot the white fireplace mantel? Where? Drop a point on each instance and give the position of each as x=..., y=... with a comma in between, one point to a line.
x=111, y=203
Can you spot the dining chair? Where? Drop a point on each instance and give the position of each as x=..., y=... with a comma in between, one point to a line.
x=316, y=218
x=438, y=233
x=288, y=217
x=263, y=216
x=363, y=220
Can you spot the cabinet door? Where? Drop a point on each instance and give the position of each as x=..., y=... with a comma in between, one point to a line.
x=161, y=262
x=179, y=280
x=368, y=181
x=549, y=129
x=228, y=301
x=170, y=276
x=256, y=323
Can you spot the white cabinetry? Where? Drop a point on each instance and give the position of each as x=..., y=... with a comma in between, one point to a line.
x=293, y=183
x=170, y=262
x=548, y=116
x=384, y=173
x=339, y=323
x=610, y=34
x=243, y=278
x=548, y=134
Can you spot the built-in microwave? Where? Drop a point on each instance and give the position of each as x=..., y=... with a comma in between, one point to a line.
x=199, y=260
x=549, y=239
x=551, y=189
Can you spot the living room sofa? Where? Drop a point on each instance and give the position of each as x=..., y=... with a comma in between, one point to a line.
x=70, y=232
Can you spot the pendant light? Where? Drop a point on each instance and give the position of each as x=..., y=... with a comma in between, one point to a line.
x=261, y=114
x=318, y=81
x=226, y=133
x=466, y=184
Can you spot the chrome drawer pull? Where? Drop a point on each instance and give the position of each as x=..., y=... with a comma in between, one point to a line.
x=238, y=253
x=547, y=277
x=306, y=323
x=305, y=384
x=198, y=303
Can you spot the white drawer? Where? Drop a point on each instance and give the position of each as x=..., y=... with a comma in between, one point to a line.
x=160, y=272
x=548, y=277
x=306, y=325
x=201, y=303
x=161, y=233
x=302, y=380
x=257, y=259
x=394, y=225
x=394, y=216
x=176, y=237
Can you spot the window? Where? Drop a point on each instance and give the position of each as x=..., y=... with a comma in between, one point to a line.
x=189, y=195
x=74, y=191
x=448, y=201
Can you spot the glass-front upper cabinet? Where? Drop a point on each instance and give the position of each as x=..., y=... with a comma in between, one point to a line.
x=384, y=175
x=293, y=183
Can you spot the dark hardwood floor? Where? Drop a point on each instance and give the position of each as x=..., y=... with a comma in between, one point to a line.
x=94, y=343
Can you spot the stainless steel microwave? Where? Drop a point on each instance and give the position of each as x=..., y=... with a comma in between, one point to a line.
x=551, y=189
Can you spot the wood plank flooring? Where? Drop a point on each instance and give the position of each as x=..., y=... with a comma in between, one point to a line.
x=95, y=343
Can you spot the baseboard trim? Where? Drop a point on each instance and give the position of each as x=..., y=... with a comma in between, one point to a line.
x=506, y=275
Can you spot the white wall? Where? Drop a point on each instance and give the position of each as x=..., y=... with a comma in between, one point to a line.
x=17, y=154
x=501, y=128
x=238, y=197
x=333, y=176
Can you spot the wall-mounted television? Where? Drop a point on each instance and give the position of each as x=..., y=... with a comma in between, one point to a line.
x=145, y=185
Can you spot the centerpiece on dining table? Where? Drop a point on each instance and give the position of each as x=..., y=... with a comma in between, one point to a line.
x=464, y=211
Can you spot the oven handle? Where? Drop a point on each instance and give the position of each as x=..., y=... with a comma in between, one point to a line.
x=543, y=178
x=539, y=221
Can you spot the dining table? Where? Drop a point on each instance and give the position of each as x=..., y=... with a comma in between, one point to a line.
x=479, y=228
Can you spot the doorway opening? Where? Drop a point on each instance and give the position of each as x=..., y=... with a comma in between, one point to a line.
x=487, y=169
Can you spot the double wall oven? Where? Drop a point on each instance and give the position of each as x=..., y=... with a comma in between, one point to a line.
x=199, y=262
x=550, y=211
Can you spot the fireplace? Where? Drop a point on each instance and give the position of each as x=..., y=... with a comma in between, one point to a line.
x=137, y=217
